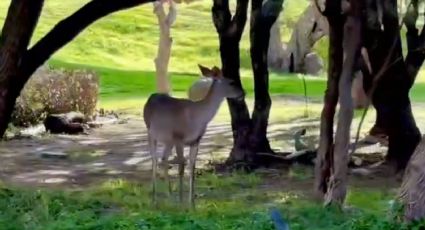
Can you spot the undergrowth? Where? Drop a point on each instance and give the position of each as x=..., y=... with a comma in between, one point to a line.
x=236, y=201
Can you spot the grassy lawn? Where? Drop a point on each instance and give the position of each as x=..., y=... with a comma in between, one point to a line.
x=117, y=205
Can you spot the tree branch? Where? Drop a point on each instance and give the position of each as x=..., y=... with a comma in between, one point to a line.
x=69, y=28
x=415, y=41
x=239, y=19
x=221, y=16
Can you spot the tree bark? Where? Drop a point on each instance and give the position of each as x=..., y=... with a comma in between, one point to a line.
x=165, y=21
x=411, y=193
x=276, y=54
x=309, y=29
x=261, y=23
x=325, y=151
x=14, y=41
x=230, y=32
x=18, y=64
x=249, y=135
x=353, y=41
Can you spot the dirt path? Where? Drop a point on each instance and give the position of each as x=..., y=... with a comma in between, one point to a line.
x=120, y=151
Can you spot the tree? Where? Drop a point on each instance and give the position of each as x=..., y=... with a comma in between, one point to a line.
x=345, y=43
x=388, y=84
x=390, y=96
x=249, y=134
x=18, y=61
x=165, y=21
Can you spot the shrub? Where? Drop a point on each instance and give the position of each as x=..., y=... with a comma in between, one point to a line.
x=56, y=91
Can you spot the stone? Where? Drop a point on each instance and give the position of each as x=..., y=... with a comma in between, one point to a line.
x=54, y=155
x=313, y=64
x=61, y=124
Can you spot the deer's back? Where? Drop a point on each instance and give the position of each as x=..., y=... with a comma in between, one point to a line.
x=169, y=119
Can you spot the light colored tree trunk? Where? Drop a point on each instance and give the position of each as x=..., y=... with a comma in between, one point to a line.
x=360, y=99
x=310, y=28
x=276, y=52
x=165, y=21
x=412, y=191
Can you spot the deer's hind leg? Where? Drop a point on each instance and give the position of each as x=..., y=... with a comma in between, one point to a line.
x=181, y=162
x=152, y=150
x=192, y=166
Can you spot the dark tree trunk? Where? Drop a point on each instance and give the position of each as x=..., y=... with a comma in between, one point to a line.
x=17, y=63
x=261, y=23
x=336, y=30
x=249, y=135
x=230, y=32
x=391, y=96
x=13, y=44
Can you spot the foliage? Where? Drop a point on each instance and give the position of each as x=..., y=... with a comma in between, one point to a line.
x=56, y=91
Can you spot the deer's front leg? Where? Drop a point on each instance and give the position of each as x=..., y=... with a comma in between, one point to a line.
x=192, y=164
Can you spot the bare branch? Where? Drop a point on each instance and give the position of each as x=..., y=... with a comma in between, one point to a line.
x=69, y=28
x=172, y=13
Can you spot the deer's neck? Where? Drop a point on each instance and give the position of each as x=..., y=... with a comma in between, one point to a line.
x=206, y=109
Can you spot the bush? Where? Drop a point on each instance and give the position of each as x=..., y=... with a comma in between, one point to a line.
x=56, y=91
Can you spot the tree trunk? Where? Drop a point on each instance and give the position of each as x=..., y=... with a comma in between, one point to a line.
x=261, y=23
x=230, y=32
x=276, y=53
x=391, y=96
x=165, y=21
x=14, y=41
x=412, y=194
x=325, y=151
x=309, y=29
x=353, y=41
x=249, y=136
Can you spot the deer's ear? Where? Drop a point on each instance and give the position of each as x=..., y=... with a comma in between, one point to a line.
x=217, y=72
x=205, y=71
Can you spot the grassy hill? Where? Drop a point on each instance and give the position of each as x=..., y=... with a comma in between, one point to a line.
x=122, y=46
x=128, y=39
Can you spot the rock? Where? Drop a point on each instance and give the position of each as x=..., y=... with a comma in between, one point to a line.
x=313, y=64
x=60, y=124
x=54, y=155
x=32, y=131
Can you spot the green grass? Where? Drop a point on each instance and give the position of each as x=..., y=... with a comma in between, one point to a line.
x=222, y=204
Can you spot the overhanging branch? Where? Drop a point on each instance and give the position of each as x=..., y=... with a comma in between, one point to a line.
x=67, y=29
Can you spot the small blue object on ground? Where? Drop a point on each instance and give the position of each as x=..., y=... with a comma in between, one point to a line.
x=278, y=221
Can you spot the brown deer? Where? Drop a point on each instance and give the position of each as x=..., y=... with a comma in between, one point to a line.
x=182, y=122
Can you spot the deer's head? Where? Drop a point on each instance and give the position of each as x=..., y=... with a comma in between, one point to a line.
x=224, y=86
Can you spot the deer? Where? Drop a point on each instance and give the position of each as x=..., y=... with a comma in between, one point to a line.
x=178, y=123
